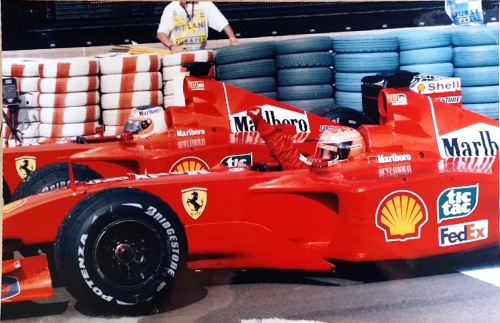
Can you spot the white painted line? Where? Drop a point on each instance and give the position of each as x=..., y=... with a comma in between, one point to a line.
x=490, y=275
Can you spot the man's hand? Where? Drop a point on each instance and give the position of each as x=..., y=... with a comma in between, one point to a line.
x=234, y=42
x=178, y=49
x=255, y=114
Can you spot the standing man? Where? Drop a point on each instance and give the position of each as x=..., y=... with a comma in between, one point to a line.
x=184, y=25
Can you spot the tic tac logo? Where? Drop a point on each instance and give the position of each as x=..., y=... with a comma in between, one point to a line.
x=457, y=202
x=473, y=141
x=401, y=215
x=10, y=287
x=462, y=233
x=240, y=122
x=398, y=99
x=25, y=165
x=237, y=160
x=194, y=200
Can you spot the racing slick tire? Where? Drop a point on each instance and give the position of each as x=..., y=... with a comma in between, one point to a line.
x=7, y=197
x=366, y=62
x=120, y=248
x=365, y=43
x=441, y=69
x=343, y=115
x=51, y=177
x=305, y=76
x=244, y=53
x=303, y=45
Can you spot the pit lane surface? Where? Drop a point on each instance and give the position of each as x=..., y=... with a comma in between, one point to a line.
x=453, y=295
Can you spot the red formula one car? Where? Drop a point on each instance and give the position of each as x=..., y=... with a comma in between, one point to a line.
x=426, y=185
x=210, y=129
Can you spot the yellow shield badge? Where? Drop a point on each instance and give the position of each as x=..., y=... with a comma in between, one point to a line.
x=25, y=165
x=194, y=200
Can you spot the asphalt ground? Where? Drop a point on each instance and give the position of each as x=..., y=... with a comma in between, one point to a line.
x=433, y=291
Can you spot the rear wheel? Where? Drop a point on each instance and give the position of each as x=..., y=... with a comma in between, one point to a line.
x=51, y=177
x=120, y=247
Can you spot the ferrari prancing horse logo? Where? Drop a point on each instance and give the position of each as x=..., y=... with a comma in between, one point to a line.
x=25, y=165
x=194, y=201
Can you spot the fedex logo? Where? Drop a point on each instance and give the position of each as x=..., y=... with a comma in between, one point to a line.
x=451, y=235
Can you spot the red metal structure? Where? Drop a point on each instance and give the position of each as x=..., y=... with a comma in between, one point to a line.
x=427, y=185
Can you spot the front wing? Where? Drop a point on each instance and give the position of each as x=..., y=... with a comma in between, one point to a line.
x=26, y=279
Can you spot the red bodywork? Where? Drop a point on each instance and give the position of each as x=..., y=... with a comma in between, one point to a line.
x=213, y=116
x=427, y=185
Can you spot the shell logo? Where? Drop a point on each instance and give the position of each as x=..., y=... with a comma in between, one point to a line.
x=401, y=215
x=187, y=164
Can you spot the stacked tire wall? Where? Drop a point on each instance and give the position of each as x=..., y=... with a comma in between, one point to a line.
x=359, y=56
x=248, y=66
x=305, y=72
x=427, y=52
x=475, y=61
x=127, y=82
x=69, y=98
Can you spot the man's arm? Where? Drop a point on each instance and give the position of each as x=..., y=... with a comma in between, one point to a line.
x=230, y=34
x=164, y=39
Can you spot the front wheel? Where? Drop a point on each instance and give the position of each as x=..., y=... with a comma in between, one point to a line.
x=51, y=177
x=120, y=247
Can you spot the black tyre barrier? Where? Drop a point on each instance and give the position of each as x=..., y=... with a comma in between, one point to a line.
x=305, y=76
x=316, y=59
x=365, y=43
x=312, y=104
x=244, y=53
x=475, y=56
x=305, y=92
x=487, y=109
x=353, y=100
x=418, y=39
x=303, y=45
x=426, y=56
x=366, y=62
x=477, y=76
x=438, y=69
x=250, y=69
x=256, y=84
x=474, y=35
x=480, y=94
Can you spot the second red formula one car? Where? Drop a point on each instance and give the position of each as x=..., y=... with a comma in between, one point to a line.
x=425, y=185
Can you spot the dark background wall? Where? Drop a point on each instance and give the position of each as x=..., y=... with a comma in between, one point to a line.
x=58, y=24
